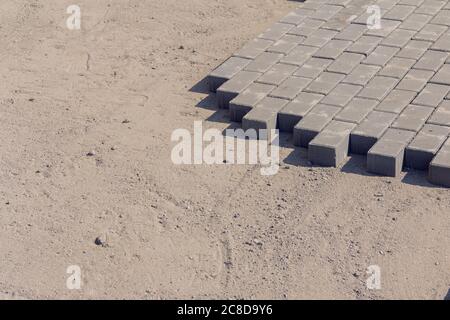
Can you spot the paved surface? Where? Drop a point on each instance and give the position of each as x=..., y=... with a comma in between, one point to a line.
x=341, y=87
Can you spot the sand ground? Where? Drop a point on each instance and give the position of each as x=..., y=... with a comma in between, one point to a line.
x=119, y=87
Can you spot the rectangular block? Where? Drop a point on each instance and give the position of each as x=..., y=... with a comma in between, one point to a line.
x=313, y=68
x=325, y=12
x=442, y=76
x=297, y=16
x=230, y=89
x=226, y=71
x=292, y=113
x=361, y=75
x=299, y=55
x=286, y=44
x=443, y=43
x=442, y=114
x=345, y=63
x=264, y=62
x=415, y=80
x=387, y=27
x=412, y=118
x=319, y=38
x=431, y=7
x=248, y=99
x=387, y=155
x=325, y=83
x=378, y=88
x=276, y=31
x=415, y=22
x=396, y=101
x=432, y=60
x=381, y=55
x=341, y=95
x=290, y=88
x=365, y=135
x=332, y=49
x=330, y=147
x=277, y=74
x=432, y=95
x=398, y=38
x=414, y=49
x=430, y=32
x=253, y=48
x=357, y=110
x=399, y=12
x=397, y=67
x=364, y=45
x=313, y=123
x=439, y=172
x=425, y=146
x=351, y=33
x=263, y=117
x=307, y=27
x=442, y=18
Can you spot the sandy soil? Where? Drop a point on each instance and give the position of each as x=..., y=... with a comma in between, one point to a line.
x=119, y=87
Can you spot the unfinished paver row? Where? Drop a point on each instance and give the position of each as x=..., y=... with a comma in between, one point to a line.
x=339, y=86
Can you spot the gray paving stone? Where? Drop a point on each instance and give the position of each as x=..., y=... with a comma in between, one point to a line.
x=415, y=22
x=297, y=16
x=263, y=62
x=430, y=32
x=230, y=89
x=442, y=76
x=443, y=43
x=399, y=12
x=432, y=95
x=345, y=63
x=425, y=146
x=365, y=135
x=381, y=55
x=276, y=31
x=430, y=7
x=387, y=26
x=415, y=80
x=248, y=99
x=290, y=88
x=411, y=2
x=432, y=60
x=378, y=88
x=356, y=110
x=351, y=33
x=414, y=49
x=277, y=74
x=313, y=68
x=292, y=113
x=254, y=48
x=442, y=115
x=330, y=147
x=362, y=74
x=398, y=38
x=439, y=172
x=286, y=44
x=412, y=118
x=325, y=83
x=332, y=49
x=341, y=95
x=226, y=71
x=313, y=123
x=299, y=55
x=442, y=18
x=364, y=45
x=396, y=101
x=387, y=4
x=397, y=67
x=307, y=27
x=387, y=155
x=319, y=38
x=366, y=17
x=263, y=116
x=326, y=12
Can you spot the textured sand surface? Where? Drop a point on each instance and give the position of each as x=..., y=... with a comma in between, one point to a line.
x=119, y=87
